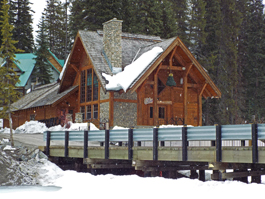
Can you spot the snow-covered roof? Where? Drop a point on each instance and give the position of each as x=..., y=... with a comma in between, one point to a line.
x=124, y=79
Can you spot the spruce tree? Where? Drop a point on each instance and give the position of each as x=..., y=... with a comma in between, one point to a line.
x=197, y=23
x=180, y=8
x=8, y=77
x=254, y=70
x=21, y=16
x=54, y=17
x=42, y=68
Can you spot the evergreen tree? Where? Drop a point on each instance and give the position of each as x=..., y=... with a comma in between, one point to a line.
x=54, y=21
x=180, y=8
x=42, y=69
x=254, y=70
x=169, y=28
x=8, y=77
x=21, y=18
x=197, y=23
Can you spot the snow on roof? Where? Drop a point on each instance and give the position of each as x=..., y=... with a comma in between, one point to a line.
x=64, y=67
x=124, y=79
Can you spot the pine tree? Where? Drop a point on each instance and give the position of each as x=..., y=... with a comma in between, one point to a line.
x=197, y=23
x=8, y=77
x=21, y=16
x=180, y=8
x=54, y=17
x=254, y=70
x=42, y=69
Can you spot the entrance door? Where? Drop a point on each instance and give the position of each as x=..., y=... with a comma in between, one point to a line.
x=162, y=115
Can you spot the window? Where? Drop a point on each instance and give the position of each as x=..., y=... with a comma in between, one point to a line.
x=95, y=87
x=88, y=112
x=95, y=111
x=82, y=110
x=151, y=112
x=82, y=89
x=161, y=112
x=32, y=117
x=89, y=86
x=160, y=86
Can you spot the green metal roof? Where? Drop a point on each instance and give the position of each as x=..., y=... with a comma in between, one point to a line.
x=26, y=64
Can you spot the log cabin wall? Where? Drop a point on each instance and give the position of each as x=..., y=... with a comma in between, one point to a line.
x=169, y=104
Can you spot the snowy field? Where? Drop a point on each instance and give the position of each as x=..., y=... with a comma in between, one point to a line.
x=56, y=183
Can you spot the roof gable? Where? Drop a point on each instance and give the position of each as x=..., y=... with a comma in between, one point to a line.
x=91, y=42
x=184, y=56
x=26, y=62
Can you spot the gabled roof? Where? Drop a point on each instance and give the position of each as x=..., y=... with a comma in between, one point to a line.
x=186, y=56
x=133, y=46
x=42, y=96
x=92, y=42
x=25, y=63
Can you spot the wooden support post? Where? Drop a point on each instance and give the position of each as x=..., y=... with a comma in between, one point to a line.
x=255, y=178
x=193, y=174
x=48, y=142
x=184, y=144
x=202, y=175
x=254, y=143
x=155, y=112
x=106, y=144
x=185, y=99
x=85, y=143
x=218, y=143
x=155, y=143
x=130, y=144
x=66, y=143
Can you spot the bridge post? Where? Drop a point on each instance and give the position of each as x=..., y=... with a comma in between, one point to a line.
x=107, y=143
x=130, y=144
x=85, y=143
x=184, y=144
x=254, y=130
x=66, y=143
x=48, y=142
x=155, y=143
x=218, y=143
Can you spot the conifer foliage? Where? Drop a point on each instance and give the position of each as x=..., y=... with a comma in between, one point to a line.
x=21, y=19
x=8, y=77
x=42, y=68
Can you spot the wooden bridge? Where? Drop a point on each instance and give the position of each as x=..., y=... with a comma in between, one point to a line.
x=162, y=155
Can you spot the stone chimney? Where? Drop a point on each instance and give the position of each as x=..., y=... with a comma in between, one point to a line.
x=112, y=31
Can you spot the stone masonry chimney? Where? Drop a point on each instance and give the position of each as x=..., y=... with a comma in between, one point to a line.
x=112, y=31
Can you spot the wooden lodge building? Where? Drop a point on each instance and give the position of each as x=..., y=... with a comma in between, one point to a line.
x=149, y=99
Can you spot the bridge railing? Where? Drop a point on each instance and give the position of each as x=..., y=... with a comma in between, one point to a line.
x=218, y=133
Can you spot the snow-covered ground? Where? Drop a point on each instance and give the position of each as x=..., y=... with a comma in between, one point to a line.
x=69, y=184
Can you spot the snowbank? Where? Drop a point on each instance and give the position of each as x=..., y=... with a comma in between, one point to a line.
x=39, y=127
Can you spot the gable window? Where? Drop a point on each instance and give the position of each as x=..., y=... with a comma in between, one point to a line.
x=88, y=112
x=95, y=87
x=89, y=86
x=82, y=110
x=82, y=87
x=95, y=109
x=161, y=112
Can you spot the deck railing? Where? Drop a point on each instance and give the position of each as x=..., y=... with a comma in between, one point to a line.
x=217, y=134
